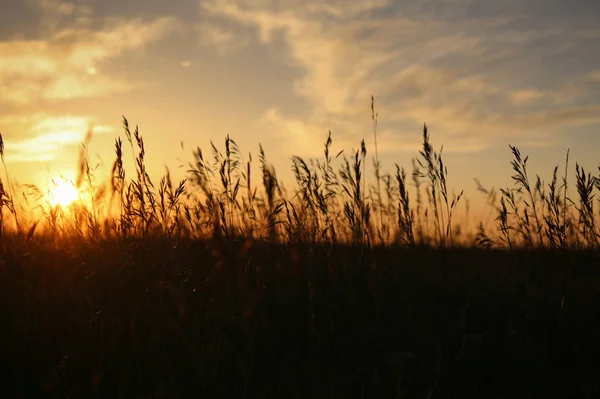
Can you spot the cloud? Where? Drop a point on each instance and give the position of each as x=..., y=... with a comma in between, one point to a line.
x=225, y=41
x=479, y=77
x=594, y=76
x=58, y=15
x=67, y=65
x=46, y=136
x=526, y=96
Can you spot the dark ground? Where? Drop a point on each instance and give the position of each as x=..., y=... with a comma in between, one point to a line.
x=271, y=321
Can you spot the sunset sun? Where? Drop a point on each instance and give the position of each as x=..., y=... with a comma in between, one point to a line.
x=63, y=192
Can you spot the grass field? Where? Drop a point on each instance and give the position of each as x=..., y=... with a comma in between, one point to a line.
x=347, y=286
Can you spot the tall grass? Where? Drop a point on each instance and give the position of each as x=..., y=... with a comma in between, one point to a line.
x=331, y=202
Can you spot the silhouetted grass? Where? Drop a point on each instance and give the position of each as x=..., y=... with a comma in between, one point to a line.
x=217, y=287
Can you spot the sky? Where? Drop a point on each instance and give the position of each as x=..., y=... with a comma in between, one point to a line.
x=482, y=74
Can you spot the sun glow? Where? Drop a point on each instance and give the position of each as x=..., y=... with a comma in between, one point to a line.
x=63, y=192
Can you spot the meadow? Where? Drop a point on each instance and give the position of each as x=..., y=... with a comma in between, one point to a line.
x=347, y=286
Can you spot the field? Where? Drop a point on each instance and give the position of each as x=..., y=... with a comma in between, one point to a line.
x=216, y=287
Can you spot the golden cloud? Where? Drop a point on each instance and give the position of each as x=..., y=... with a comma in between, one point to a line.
x=59, y=68
x=47, y=135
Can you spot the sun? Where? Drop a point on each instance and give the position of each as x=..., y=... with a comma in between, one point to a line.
x=63, y=193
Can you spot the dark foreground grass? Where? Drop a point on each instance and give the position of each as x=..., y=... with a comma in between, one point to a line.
x=159, y=318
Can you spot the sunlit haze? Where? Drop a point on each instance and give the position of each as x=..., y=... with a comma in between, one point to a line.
x=481, y=73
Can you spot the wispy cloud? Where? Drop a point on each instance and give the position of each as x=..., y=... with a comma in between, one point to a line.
x=594, y=76
x=68, y=64
x=47, y=135
x=478, y=72
x=210, y=33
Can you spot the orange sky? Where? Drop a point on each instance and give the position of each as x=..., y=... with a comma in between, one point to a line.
x=483, y=74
